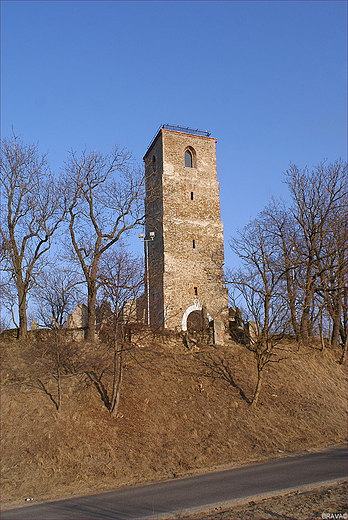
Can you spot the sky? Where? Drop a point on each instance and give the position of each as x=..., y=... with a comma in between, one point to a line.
x=268, y=79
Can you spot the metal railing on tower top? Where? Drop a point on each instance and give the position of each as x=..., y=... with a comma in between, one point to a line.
x=186, y=130
x=181, y=129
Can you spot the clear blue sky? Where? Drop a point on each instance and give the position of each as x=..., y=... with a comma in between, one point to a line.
x=267, y=79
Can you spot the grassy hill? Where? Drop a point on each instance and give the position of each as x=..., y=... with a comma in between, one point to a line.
x=174, y=417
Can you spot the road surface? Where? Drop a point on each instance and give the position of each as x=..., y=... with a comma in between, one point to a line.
x=163, y=499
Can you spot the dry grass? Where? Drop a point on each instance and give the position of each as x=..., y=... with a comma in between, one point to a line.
x=173, y=419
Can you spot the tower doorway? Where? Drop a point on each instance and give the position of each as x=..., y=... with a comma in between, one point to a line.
x=195, y=318
x=196, y=322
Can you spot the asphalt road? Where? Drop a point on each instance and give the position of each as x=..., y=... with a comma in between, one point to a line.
x=156, y=500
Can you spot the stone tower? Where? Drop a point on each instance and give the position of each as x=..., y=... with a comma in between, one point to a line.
x=186, y=255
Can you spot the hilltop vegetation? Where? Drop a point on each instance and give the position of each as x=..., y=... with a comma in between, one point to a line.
x=293, y=258
x=176, y=416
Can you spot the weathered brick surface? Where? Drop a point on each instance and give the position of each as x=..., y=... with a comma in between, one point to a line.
x=176, y=268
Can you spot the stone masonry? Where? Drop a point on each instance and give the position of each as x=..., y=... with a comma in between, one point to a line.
x=186, y=256
x=79, y=317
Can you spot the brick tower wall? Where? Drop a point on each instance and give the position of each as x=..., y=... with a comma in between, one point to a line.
x=187, y=255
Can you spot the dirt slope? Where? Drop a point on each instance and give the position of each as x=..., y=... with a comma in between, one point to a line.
x=173, y=418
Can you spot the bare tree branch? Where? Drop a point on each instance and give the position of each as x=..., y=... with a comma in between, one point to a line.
x=34, y=210
x=106, y=195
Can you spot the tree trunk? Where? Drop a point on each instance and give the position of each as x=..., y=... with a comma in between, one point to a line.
x=118, y=387
x=117, y=380
x=291, y=299
x=304, y=327
x=22, y=311
x=336, y=321
x=91, y=326
x=258, y=388
x=344, y=350
x=344, y=324
x=59, y=395
x=294, y=319
x=322, y=341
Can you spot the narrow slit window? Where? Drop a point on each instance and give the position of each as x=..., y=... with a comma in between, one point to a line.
x=195, y=290
x=191, y=195
x=188, y=159
x=193, y=244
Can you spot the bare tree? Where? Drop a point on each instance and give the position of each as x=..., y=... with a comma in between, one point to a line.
x=121, y=282
x=55, y=294
x=344, y=324
x=319, y=197
x=9, y=298
x=106, y=201
x=4, y=323
x=295, y=263
x=331, y=284
x=283, y=229
x=32, y=210
x=52, y=357
x=259, y=285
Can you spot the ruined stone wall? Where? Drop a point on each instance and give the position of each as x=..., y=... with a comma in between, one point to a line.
x=78, y=319
x=189, y=248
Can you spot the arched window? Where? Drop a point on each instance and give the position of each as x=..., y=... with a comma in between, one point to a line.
x=188, y=159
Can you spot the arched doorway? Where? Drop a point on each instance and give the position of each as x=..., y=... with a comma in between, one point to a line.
x=193, y=319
